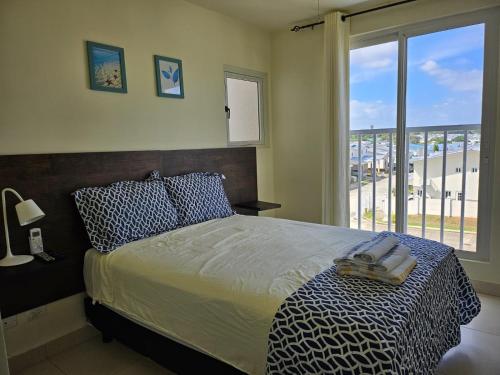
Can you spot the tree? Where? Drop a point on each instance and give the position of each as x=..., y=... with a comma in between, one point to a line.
x=436, y=147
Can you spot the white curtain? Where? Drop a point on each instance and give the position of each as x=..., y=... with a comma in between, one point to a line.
x=336, y=154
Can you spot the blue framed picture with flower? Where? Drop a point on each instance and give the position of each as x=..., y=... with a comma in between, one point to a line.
x=169, y=82
x=106, y=67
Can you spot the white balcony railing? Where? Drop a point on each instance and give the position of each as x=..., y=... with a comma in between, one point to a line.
x=437, y=167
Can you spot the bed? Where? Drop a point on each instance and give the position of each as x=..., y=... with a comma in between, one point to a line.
x=261, y=294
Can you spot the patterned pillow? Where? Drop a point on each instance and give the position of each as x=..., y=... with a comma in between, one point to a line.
x=198, y=197
x=154, y=176
x=125, y=211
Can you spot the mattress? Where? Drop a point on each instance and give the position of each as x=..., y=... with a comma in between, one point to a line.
x=216, y=286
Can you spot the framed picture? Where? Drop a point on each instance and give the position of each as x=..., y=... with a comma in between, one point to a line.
x=106, y=68
x=169, y=81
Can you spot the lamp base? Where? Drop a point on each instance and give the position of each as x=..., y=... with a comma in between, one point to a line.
x=15, y=260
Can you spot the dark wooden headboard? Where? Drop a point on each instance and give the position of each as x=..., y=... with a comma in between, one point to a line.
x=49, y=179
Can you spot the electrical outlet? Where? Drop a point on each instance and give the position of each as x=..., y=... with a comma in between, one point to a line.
x=9, y=322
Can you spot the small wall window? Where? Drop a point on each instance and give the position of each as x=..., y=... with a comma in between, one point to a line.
x=244, y=106
x=458, y=169
x=474, y=170
x=459, y=196
x=448, y=193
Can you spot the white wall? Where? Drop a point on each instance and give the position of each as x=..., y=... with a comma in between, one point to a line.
x=297, y=67
x=297, y=113
x=39, y=326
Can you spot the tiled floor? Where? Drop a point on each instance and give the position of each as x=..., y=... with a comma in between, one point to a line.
x=478, y=354
x=95, y=358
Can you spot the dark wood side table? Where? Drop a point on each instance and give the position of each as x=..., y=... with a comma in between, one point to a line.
x=38, y=283
x=254, y=207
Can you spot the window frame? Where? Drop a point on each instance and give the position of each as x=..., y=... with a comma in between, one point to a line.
x=491, y=80
x=250, y=76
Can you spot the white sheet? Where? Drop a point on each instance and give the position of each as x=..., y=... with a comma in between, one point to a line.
x=216, y=286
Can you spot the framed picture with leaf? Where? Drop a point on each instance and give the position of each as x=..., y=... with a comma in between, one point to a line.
x=169, y=82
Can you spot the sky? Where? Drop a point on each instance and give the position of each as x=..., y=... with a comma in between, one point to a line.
x=445, y=74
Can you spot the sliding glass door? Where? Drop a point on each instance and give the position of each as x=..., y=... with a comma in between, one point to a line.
x=445, y=72
x=420, y=117
x=373, y=91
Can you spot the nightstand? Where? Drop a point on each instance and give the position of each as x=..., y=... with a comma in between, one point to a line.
x=254, y=207
x=37, y=283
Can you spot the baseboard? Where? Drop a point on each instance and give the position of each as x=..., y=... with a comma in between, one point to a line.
x=486, y=288
x=22, y=361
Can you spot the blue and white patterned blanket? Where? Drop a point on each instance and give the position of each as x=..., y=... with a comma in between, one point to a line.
x=348, y=325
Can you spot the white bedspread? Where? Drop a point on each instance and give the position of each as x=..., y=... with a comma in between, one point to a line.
x=216, y=286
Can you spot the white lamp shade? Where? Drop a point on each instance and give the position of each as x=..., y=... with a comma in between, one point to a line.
x=28, y=212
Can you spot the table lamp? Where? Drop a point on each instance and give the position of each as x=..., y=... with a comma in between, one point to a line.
x=27, y=212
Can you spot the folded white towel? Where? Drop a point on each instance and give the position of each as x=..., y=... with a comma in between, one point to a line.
x=346, y=255
x=373, y=250
x=387, y=263
x=396, y=276
x=391, y=260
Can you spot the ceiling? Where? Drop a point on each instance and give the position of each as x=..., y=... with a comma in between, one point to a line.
x=277, y=14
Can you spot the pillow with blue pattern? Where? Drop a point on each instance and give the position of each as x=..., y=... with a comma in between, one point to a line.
x=125, y=211
x=198, y=197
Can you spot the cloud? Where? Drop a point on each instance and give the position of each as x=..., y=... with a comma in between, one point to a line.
x=367, y=56
x=376, y=113
x=452, y=43
x=461, y=47
x=464, y=108
x=369, y=62
x=379, y=64
x=456, y=80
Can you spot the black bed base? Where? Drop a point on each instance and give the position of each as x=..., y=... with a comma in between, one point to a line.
x=168, y=353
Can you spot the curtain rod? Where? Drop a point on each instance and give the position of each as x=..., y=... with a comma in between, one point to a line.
x=346, y=16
